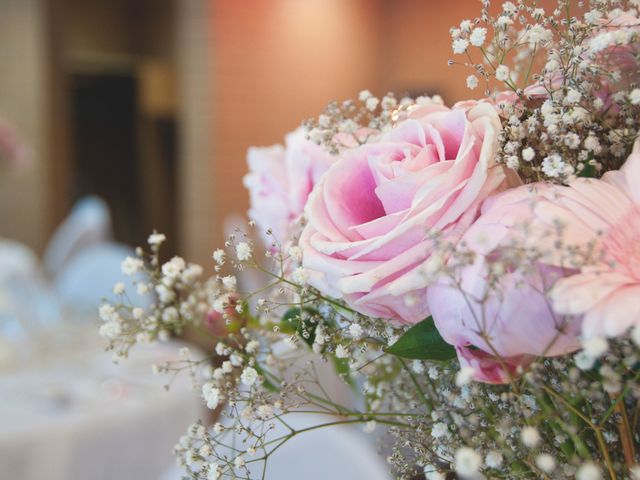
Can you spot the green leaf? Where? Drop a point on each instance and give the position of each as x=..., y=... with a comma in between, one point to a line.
x=422, y=342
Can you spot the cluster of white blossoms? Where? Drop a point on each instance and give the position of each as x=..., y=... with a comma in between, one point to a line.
x=181, y=298
x=474, y=428
x=351, y=123
x=562, y=80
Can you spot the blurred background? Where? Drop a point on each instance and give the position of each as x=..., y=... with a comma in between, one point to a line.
x=151, y=104
x=125, y=116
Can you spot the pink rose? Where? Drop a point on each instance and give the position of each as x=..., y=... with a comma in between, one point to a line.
x=497, y=307
x=279, y=181
x=366, y=240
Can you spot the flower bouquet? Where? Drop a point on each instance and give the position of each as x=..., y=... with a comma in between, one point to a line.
x=472, y=272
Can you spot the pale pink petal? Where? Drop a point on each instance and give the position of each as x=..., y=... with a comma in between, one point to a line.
x=578, y=293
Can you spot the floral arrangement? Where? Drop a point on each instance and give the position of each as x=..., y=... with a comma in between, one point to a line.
x=472, y=272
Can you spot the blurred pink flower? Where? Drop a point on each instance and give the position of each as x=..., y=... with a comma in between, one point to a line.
x=279, y=181
x=608, y=212
x=497, y=306
x=366, y=238
x=13, y=153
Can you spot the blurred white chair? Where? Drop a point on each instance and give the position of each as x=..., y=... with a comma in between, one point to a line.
x=17, y=261
x=27, y=305
x=89, y=277
x=88, y=223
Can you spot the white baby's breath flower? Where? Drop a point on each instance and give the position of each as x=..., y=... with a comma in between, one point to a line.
x=110, y=330
x=528, y=154
x=584, y=361
x=472, y=82
x=513, y=162
x=156, y=239
x=239, y=462
x=265, y=411
x=229, y=282
x=372, y=103
x=467, y=461
x=252, y=347
x=592, y=144
x=170, y=314
x=417, y=366
x=493, y=459
x=249, y=376
x=137, y=313
x=218, y=256
x=478, y=36
x=634, y=96
x=191, y=273
x=295, y=252
x=502, y=73
x=165, y=294
x=300, y=276
x=342, y=351
x=227, y=366
x=595, y=347
x=440, y=430
x=465, y=25
x=142, y=288
x=131, y=266
x=364, y=95
x=589, y=471
x=213, y=472
x=356, y=331
x=173, y=267
x=546, y=463
x=553, y=166
x=107, y=313
x=211, y=395
x=460, y=45
x=118, y=288
x=572, y=97
x=530, y=437
x=243, y=251
x=464, y=376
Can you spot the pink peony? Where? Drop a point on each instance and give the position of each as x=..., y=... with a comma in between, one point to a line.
x=368, y=218
x=497, y=305
x=280, y=180
x=606, y=211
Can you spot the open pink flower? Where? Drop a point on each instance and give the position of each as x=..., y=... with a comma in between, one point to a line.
x=497, y=307
x=606, y=211
x=368, y=218
x=280, y=180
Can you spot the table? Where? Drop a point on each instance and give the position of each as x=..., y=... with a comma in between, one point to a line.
x=75, y=415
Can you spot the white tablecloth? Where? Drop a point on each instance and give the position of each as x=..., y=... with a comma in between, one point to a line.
x=76, y=416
